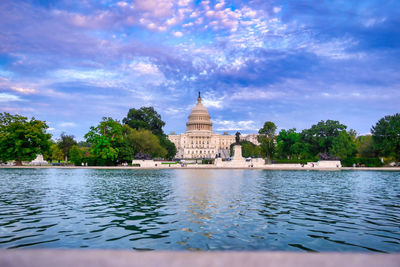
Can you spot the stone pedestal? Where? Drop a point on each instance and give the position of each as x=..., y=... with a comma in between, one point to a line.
x=237, y=153
x=238, y=161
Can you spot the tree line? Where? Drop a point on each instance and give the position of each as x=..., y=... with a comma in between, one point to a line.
x=111, y=142
x=140, y=135
x=328, y=140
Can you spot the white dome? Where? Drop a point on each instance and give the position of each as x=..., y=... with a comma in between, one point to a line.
x=199, y=119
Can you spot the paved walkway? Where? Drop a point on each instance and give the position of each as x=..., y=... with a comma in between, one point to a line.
x=205, y=166
x=77, y=258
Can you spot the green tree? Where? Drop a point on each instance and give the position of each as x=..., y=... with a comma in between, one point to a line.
x=302, y=150
x=169, y=146
x=83, y=144
x=125, y=144
x=266, y=138
x=365, y=146
x=320, y=136
x=76, y=155
x=386, y=136
x=47, y=154
x=286, y=144
x=148, y=143
x=85, y=150
x=143, y=141
x=139, y=141
x=56, y=153
x=343, y=146
x=145, y=118
x=65, y=143
x=268, y=129
x=104, y=139
x=248, y=149
x=22, y=140
x=267, y=147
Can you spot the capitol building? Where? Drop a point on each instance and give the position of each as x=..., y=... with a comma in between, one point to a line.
x=199, y=141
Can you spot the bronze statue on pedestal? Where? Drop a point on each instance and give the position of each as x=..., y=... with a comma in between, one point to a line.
x=237, y=138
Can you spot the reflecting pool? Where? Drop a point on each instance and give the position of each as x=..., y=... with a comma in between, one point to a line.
x=200, y=209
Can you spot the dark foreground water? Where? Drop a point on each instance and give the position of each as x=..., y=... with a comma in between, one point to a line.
x=200, y=209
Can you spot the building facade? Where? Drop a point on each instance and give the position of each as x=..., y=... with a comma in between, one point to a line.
x=199, y=141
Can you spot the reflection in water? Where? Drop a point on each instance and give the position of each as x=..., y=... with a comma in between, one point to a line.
x=200, y=209
x=207, y=206
x=136, y=206
x=194, y=188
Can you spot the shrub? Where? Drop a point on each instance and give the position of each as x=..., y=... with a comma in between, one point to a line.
x=300, y=161
x=368, y=162
x=93, y=161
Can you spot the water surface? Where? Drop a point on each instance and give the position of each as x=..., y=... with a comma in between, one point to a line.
x=200, y=209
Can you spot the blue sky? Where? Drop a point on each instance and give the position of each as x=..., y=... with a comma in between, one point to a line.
x=291, y=62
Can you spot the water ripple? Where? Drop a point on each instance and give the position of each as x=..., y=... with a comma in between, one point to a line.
x=200, y=210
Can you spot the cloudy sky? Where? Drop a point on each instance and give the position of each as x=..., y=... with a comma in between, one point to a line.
x=291, y=62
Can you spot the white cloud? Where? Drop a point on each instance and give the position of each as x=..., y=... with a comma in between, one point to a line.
x=326, y=94
x=77, y=74
x=184, y=2
x=171, y=21
x=177, y=111
x=155, y=15
x=277, y=9
x=67, y=124
x=248, y=12
x=355, y=95
x=155, y=8
x=23, y=90
x=210, y=100
x=122, y=4
x=254, y=94
x=212, y=103
x=144, y=95
x=230, y=125
x=199, y=21
x=178, y=34
x=99, y=19
x=220, y=5
x=144, y=68
x=335, y=49
x=5, y=97
x=370, y=22
x=19, y=110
